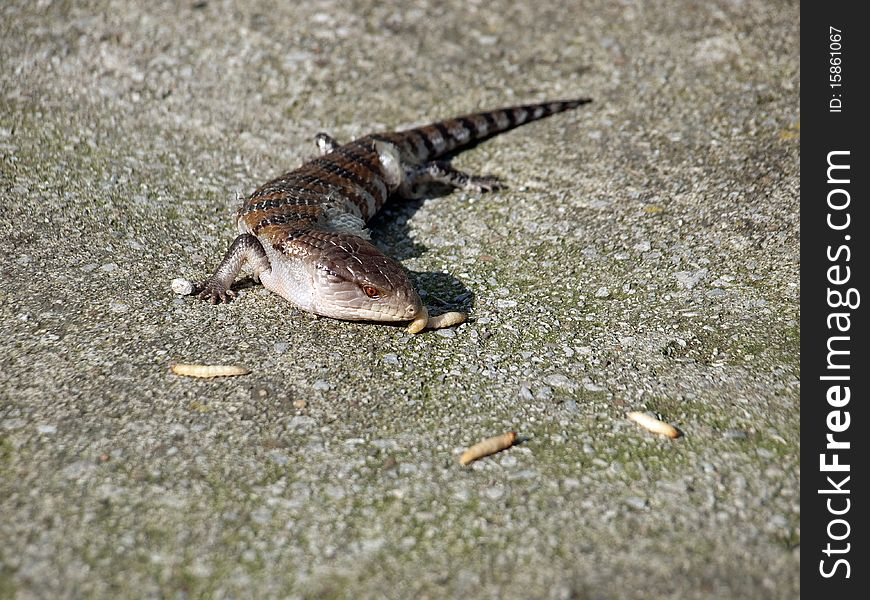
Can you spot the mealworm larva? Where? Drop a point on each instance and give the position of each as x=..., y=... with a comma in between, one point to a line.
x=419, y=324
x=208, y=371
x=652, y=424
x=424, y=321
x=446, y=320
x=182, y=286
x=488, y=446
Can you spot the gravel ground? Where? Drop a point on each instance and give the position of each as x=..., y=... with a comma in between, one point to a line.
x=644, y=257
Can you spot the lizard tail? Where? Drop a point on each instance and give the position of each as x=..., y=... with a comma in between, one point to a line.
x=432, y=141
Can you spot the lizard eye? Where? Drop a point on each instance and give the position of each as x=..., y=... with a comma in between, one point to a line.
x=371, y=292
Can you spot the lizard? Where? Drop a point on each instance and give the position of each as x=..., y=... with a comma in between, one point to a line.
x=304, y=233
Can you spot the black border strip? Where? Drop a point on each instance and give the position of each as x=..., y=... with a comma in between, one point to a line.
x=832, y=118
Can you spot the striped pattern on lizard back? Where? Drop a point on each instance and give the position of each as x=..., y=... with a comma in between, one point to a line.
x=309, y=223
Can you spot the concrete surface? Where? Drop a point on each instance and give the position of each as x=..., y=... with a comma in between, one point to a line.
x=645, y=257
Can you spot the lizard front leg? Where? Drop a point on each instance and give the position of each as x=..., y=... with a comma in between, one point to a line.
x=325, y=143
x=245, y=248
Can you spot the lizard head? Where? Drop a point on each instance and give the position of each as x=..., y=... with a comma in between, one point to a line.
x=355, y=281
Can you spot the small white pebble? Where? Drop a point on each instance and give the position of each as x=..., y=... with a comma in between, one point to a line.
x=118, y=307
x=182, y=286
x=570, y=483
x=494, y=493
x=636, y=502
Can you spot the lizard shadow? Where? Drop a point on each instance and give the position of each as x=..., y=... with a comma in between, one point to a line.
x=390, y=231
